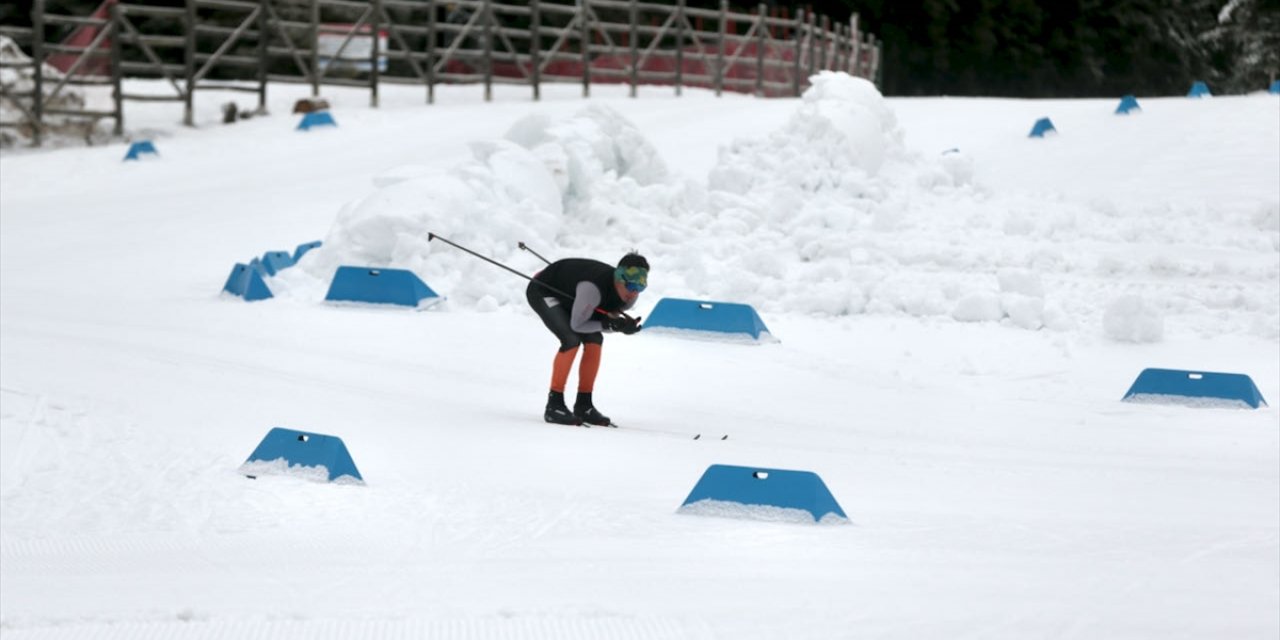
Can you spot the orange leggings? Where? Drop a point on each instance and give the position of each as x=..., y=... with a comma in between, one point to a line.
x=587, y=369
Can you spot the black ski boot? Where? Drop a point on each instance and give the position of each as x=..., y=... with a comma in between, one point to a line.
x=557, y=412
x=586, y=412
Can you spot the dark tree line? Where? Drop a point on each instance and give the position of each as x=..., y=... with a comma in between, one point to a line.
x=1067, y=48
x=1026, y=48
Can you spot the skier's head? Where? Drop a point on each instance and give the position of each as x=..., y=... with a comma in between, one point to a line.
x=631, y=276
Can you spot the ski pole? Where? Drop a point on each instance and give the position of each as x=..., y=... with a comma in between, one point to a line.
x=431, y=236
x=526, y=248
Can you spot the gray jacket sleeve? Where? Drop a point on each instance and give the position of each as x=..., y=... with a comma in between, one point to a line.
x=585, y=300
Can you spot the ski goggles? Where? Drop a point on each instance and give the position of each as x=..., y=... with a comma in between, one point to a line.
x=635, y=279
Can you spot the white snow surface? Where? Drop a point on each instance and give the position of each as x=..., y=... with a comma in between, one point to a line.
x=959, y=309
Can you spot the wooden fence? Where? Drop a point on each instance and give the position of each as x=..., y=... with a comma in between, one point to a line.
x=243, y=45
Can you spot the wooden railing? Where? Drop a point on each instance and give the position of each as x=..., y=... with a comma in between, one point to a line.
x=242, y=45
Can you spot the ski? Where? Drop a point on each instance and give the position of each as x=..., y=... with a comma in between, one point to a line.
x=665, y=432
x=650, y=431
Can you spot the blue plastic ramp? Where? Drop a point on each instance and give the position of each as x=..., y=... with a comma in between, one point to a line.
x=246, y=281
x=1128, y=103
x=316, y=119
x=1197, y=388
x=378, y=286
x=141, y=148
x=274, y=261
x=1041, y=127
x=1199, y=90
x=713, y=319
x=303, y=249
x=312, y=456
x=741, y=491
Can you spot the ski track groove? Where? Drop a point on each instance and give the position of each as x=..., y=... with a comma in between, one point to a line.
x=504, y=626
x=285, y=372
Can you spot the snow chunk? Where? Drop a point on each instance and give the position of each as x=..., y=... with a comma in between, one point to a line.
x=281, y=467
x=519, y=174
x=595, y=143
x=841, y=135
x=950, y=170
x=1020, y=281
x=1024, y=311
x=978, y=307
x=852, y=109
x=1130, y=319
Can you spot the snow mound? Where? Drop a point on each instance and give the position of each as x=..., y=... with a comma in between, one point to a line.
x=762, y=512
x=837, y=140
x=828, y=215
x=541, y=182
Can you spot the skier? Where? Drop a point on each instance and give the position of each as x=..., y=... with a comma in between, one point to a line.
x=600, y=294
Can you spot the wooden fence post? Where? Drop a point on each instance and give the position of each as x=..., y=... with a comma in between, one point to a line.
x=840, y=47
x=679, y=45
x=833, y=55
x=857, y=45
x=724, y=14
x=37, y=57
x=812, y=29
x=486, y=9
x=634, y=13
x=262, y=57
x=315, y=48
x=585, y=44
x=762, y=31
x=373, y=53
x=873, y=74
x=189, y=51
x=117, y=91
x=431, y=51
x=535, y=46
x=833, y=47
x=824, y=48
x=799, y=31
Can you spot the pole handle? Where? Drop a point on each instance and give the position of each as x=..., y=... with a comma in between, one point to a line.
x=524, y=246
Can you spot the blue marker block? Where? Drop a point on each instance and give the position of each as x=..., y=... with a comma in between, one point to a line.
x=755, y=486
x=141, y=148
x=311, y=455
x=1128, y=103
x=1275, y=86
x=1199, y=90
x=316, y=119
x=303, y=249
x=246, y=281
x=378, y=286
x=713, y=319
x=1200, y=388
x=274, y=261
x=1041, y=127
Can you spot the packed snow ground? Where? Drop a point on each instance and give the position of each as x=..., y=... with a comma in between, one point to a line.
x=959, y=309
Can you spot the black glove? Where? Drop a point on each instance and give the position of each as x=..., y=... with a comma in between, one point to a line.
x=622, y=324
